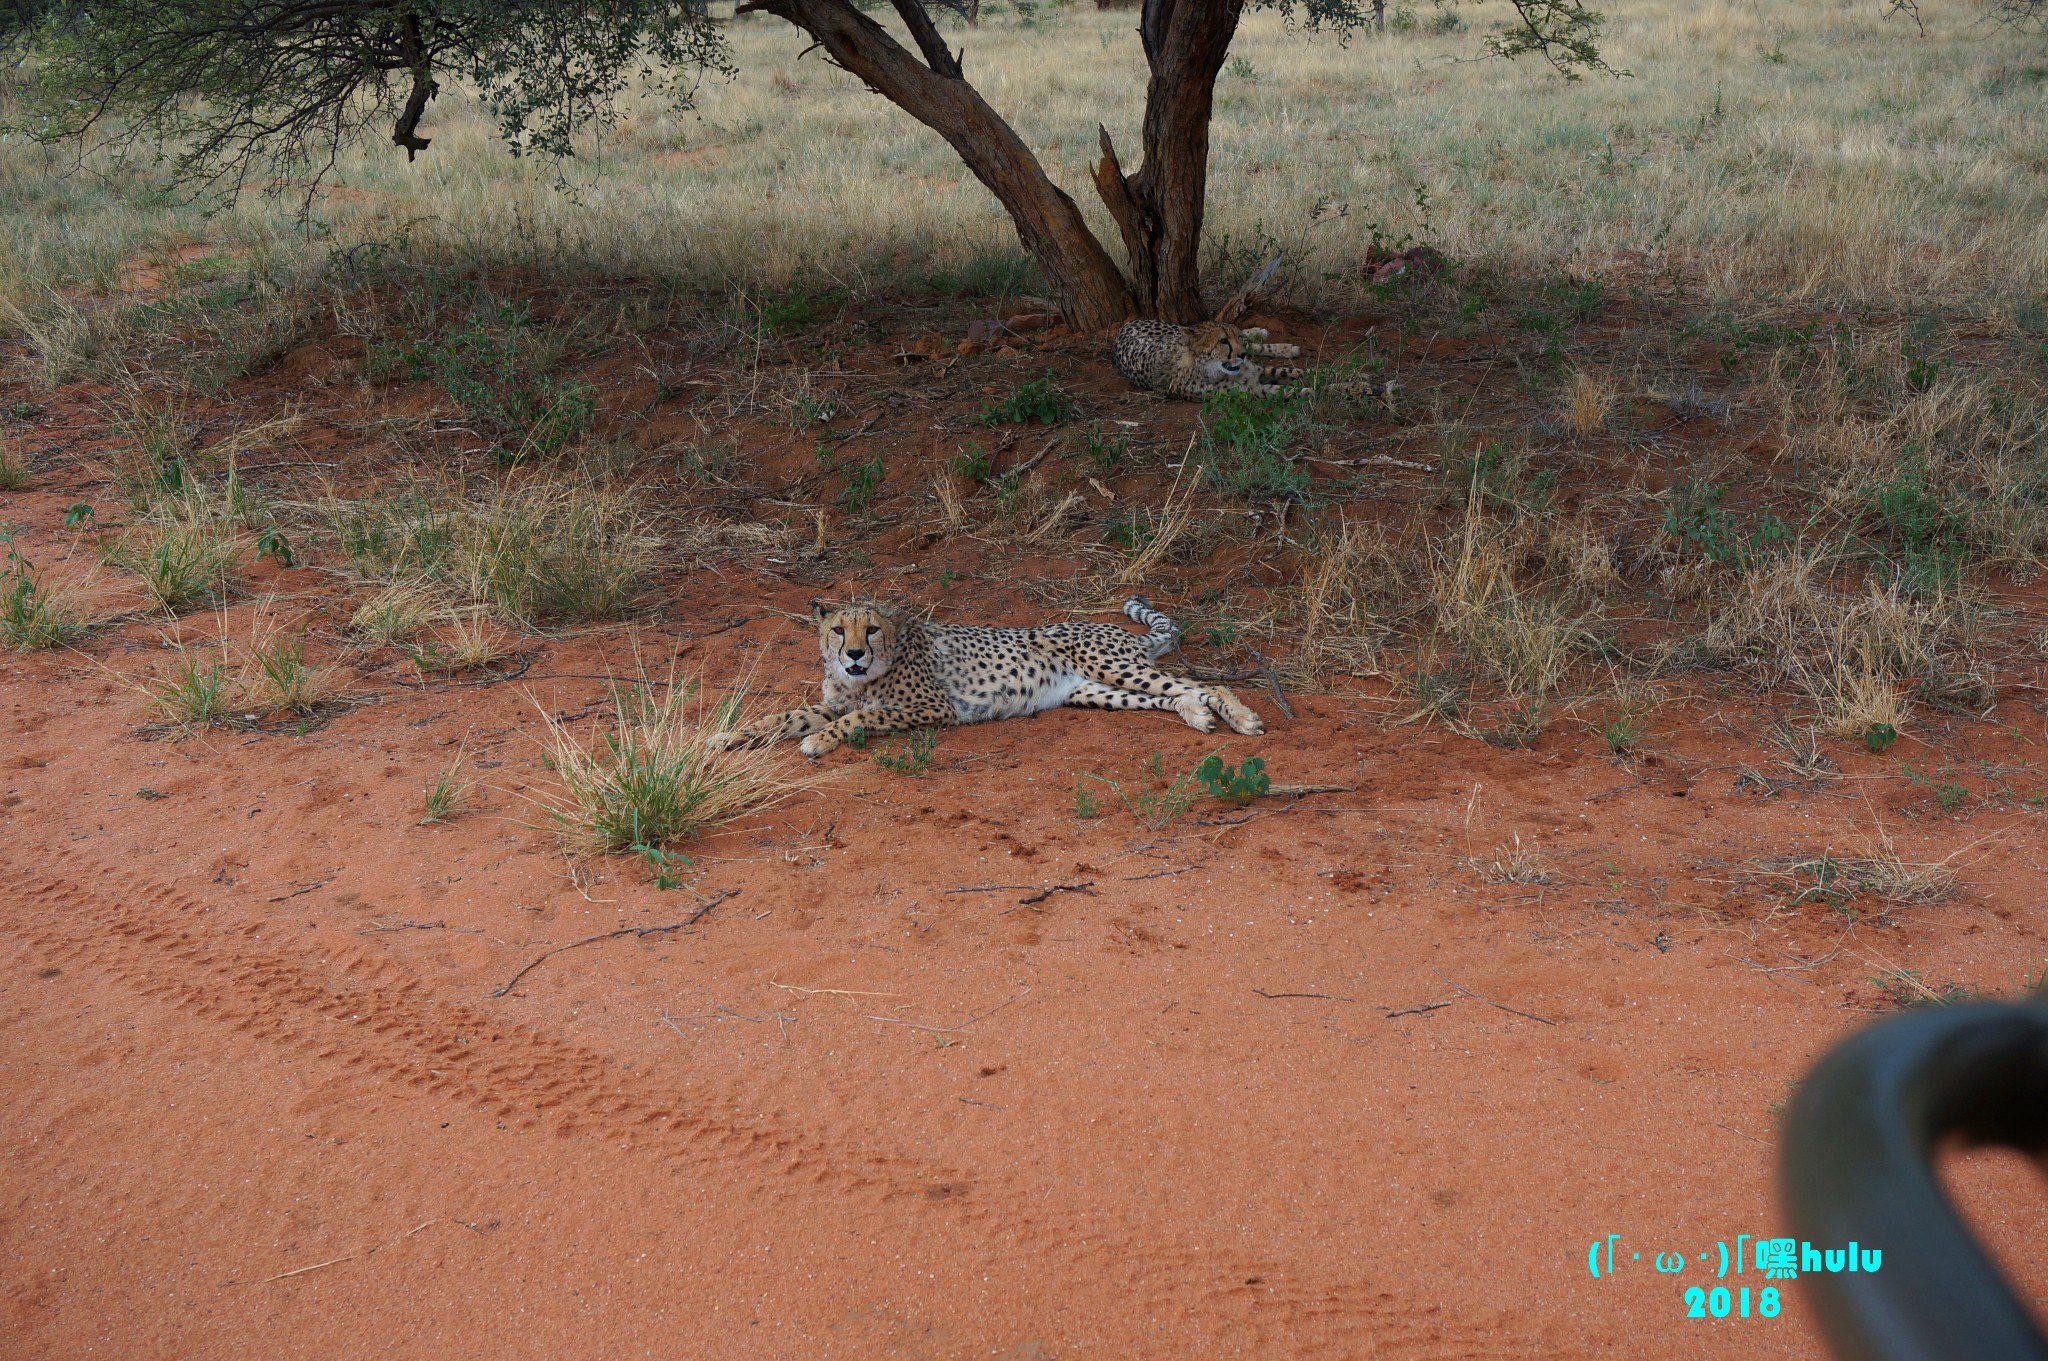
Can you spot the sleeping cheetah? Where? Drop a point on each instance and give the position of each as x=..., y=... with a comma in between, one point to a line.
x=886, y=671
x=1194, y=361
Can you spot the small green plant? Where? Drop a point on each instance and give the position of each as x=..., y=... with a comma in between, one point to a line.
x=1155, y=809
x=863, y=480
x=1132, y=533
x=78, y=513
x=808, y=410
x=1695, y=513
x=193, y=693
x=447, y=794
x=1951, y=796
x=497, y=370
x=1233, y=784
x=973, y=464
x=1917, y=348
x=1932, y=531
x=272, y=544
x=910, y=754
x=185, y=562
x=1623, y=734
x=661, y=864
x=1878, y=738
x=1106, y=451
x=1245, y=441
x=1086, y=804
x=286, y=680
x=30, y=617
x=947, y=576
x=1037, y=400
x=1238, y=68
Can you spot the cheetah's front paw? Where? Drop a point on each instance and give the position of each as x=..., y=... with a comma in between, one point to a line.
x=818, y=743
x=1194, y=711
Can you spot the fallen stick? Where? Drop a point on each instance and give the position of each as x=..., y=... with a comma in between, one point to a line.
x=612, y=935
x=1415, y=1011
x=947, y=1029
x=1502, y=1006
x=1039, y=897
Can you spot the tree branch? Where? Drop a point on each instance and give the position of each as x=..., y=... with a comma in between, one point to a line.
x=406, y=133
x=919, y=21
x=1092, y=291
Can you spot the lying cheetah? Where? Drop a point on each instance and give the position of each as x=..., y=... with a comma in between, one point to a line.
x=886, y=671
x=1194, y=361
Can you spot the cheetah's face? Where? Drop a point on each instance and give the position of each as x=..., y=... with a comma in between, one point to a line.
x=858, y=641
x=1217, y=350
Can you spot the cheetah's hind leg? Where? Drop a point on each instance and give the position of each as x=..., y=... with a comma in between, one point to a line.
x=1265, y=351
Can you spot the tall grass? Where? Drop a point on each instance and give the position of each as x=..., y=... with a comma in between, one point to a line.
x=1809, y=150
x=531, y=553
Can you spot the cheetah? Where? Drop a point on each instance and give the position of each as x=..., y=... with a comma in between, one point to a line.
x=1194, y=361
x=886, y=670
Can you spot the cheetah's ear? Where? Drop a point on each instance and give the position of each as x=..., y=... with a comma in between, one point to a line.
x=818, y=610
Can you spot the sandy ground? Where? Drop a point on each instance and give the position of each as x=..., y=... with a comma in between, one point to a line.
x=1298, y=1083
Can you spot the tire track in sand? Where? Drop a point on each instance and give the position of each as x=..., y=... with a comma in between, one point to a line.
x=364, y=1013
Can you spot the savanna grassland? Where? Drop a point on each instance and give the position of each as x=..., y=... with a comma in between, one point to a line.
x=1654, y=687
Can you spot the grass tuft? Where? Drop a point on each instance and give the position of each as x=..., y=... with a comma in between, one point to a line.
x=651, y=778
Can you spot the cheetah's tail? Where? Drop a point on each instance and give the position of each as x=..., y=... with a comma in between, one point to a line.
x=1160, y=631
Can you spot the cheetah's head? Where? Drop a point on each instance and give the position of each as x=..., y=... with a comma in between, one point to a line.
x=1217, y=349
x=858, y=641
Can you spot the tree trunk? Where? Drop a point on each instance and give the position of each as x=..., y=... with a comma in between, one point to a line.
x=1090, y=288
x=1159, y=209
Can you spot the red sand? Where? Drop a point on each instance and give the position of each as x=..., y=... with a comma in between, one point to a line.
x=263, y=1101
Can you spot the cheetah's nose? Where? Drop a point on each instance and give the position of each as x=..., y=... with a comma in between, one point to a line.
x=854, y=654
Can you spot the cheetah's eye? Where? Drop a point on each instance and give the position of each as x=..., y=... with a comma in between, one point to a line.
x=838, y=632
x=872, y=630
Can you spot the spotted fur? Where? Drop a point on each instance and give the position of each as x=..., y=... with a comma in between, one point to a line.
x=886, y=670
x=1194, y=361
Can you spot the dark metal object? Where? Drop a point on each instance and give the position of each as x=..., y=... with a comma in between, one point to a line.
x=1860, y=1142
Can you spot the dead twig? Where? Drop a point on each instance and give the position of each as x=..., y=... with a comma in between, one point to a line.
x=1277, y=996
x=948, y=1029
x=830, y=992
x=1417, y=1011
x=1501, y=1006
x=1273, y=682
x=640, y=931
x=1039, y=897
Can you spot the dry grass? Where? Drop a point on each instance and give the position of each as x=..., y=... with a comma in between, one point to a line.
x=1813, y=151
x=14, y=462
x=534, y=552
x=397, y=613
x=278, y=676
x=186, y=552
x=1516, y=861
x=1349, y=574
x=1176, y=515
x=651, y=778
x=1588, y=402
x=465, y=640
x=1524, y=637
